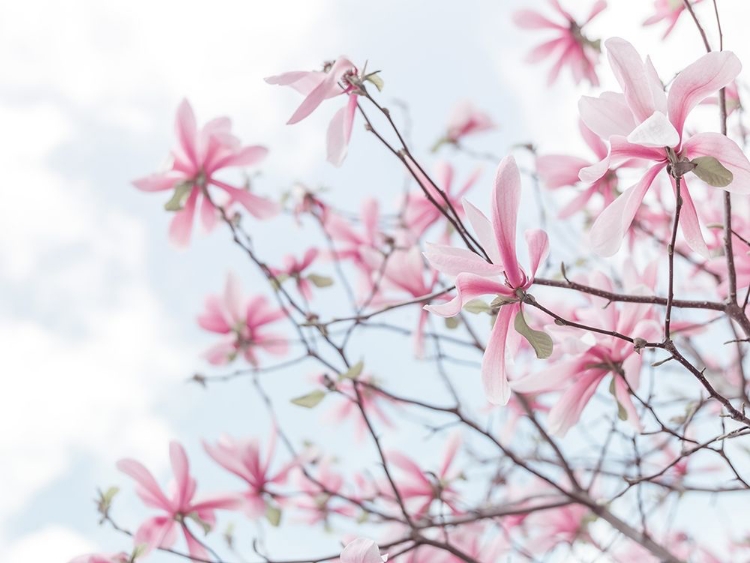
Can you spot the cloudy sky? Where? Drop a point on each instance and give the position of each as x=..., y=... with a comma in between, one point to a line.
x=96, y=309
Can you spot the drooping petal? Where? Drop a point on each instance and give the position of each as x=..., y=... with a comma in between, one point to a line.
x=506, y=199
x=494, y=376
x=610, y=227
x=689, y=223
x=698, y=81
x=537, y=242
x=340, y=131
x=182, y=223
x=568, y=408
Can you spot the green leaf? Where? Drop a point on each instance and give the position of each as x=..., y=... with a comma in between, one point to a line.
x=139, y=550
x=622, y=414
x=375, y=79
x=477, y=306
x=310, y=400
x=540, y=341
x=452, y=322
x=180, y=194
x=353, y=372
x=202, y=523
x=501, y=300
x=320, y=281
x=109, y=494
x=273, y=515
x=711, y=171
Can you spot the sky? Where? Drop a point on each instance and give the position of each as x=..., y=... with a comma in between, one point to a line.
x=97, y=310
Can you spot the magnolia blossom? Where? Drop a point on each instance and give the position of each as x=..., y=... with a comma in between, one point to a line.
x=177, y=509
x=199, y=155
x=502, y=277
x=337, y=78
x=561, y=170
x=362, y=550
x=295, y=269
x=317, y=501
x=646, y=124
x=581, y=374
x=244, y=459
x=419, y=489
x=669, y=11
x=243, y=321
x=420, y=213
x=570, y=46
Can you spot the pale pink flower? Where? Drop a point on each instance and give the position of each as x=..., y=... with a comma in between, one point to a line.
x=581, y=374
x=420, y=213
x=561, y=170
x=402, y=278
x=465, y=120
x=295, y=269
x=419, y=489
x=317, y=500
x=199, y=155
x=570, y=46
x=177, y=509
x=101, y=558
x=244, y=322
x=669, y=11
x=362, y=550
x=645, y=123
x=244, y=459
x=317, y=86
x=502, y=277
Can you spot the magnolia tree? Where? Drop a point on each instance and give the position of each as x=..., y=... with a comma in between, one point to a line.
x=638, y=359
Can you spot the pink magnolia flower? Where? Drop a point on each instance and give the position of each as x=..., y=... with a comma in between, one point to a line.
x=244, y=459
x=295, y=269
x=403, y=277
x=339, y=77
x=200, y=154
x=419, y=489
x=503, y=277
x=102, y=558
x=560, y=170
x=178, y=508
x=669, y=11
x=243, y=321
x=420, y=213
x=317, y=498
x=570, y=46
x=362, y=550
x=646, y=124
x=581, y=374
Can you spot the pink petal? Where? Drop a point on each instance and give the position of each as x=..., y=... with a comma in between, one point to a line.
x=453, y=261
x=568, y=408
x=494, y=376
x=528, y=19
x=541, y=52
x=698, y=81
x=182, y=223
x=302, y=81
x=209, y=216
x=596, y=9
x=454, y=443
x=606, y=115
x=187, y=131
x=483, y=231
x=159, y=531
x=327, y=88
x=551, y=378
x=181, y=469
x=258, y=207
x=689, y=223
x=152, y=493
x=468, y=287
x=506, y=199
x=727, y=152
x=610, y=227
x=361, y=551
x=538, y=244
x=246, y=156
x=156, y=183
x=340, y=131
x=558, y=170
x=632, y=76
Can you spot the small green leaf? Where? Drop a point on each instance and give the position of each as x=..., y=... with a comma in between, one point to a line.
x=202, y=523
x=452, y=322
x=540, y=341
x=711, y=171
x=139, y=550
x=622, y=414
x=310, y=400
x=375, y=79
x=477, y=306
x=320, y=281
x=353, y=372
x=180, y=194
x=109, y=494
x=501, y=300
x=273, y=515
